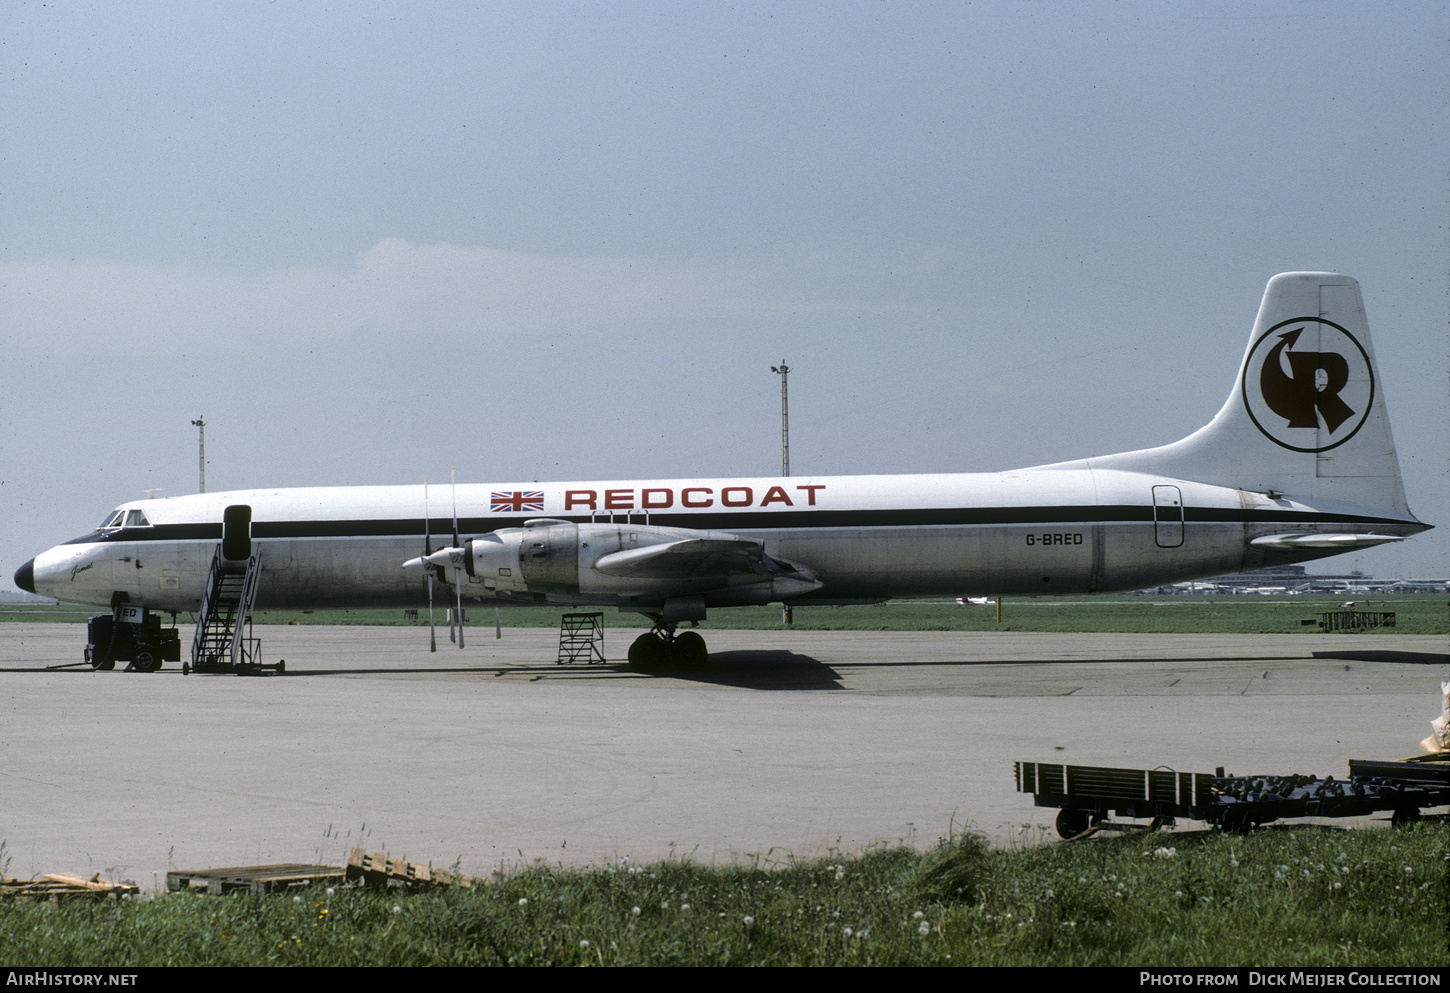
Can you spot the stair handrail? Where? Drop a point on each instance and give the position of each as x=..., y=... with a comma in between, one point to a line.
x=208, y=591
x=244, y=606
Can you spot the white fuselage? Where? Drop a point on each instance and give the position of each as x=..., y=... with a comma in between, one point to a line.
x=1027, y=532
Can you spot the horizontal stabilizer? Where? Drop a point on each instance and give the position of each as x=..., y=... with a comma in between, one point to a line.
x=1338, y=542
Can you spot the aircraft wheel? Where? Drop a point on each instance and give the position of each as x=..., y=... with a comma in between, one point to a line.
x=649, y=653
x=1237, y=823
x=1071, y=822
x=1405, y=815
x=689, y=651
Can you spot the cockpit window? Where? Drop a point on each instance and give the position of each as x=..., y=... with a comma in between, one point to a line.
x=113, y=519
x=136, y=519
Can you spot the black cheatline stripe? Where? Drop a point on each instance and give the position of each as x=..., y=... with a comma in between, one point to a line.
x=769, y=520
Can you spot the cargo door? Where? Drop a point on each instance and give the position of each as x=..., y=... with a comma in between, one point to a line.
x=1167, y=516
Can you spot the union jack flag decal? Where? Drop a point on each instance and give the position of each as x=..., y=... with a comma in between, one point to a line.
x=518, y=501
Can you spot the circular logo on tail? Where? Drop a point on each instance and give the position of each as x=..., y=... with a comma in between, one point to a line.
x=1308, y=384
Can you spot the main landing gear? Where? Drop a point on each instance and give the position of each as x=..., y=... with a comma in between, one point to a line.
x=661, y=648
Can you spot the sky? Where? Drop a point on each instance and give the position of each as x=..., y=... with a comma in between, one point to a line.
x=567, y=241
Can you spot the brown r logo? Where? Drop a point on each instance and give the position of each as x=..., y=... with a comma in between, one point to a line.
x=1307, y=399
x=1296, y=397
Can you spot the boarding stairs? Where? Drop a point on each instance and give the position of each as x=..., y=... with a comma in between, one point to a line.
x=223, y=641
x=581, y=639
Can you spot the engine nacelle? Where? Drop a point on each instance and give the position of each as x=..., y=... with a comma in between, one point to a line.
x=553, y=556
x=557, y=558
x=494, y=560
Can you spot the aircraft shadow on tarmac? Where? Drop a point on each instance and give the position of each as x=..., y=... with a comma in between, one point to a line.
x=764, y=670
x=1374, y=655
x=759, y=670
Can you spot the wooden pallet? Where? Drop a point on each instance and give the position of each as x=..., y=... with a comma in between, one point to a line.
x=253, y=878
x=373, y=869
x=59, y=886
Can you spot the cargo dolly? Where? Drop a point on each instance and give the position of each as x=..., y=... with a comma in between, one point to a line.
x=1087, y=794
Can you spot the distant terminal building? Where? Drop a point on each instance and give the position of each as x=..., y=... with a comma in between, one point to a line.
x=1293, y=579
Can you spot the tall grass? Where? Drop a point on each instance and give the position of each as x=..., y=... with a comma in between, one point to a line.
x=1286, y=896
x=1416, y=614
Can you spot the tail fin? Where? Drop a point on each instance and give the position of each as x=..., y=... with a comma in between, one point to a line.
x=1306, y=417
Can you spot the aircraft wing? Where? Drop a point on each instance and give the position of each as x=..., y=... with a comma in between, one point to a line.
x=688, y=558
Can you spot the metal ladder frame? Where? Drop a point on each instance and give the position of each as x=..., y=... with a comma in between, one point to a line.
x=573, y=645
x=242, y=651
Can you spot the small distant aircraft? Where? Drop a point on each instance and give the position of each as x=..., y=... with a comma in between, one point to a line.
x=1299, y=464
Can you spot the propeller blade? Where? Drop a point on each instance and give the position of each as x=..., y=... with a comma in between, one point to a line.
x=457, y=572
x=428, y=550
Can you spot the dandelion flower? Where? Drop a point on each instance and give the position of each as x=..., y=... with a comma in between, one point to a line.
x=923, y=928
x=748, y=920
x=523, y=901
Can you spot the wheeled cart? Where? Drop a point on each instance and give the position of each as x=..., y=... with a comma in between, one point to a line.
x=133, y=635
x=1088, y=794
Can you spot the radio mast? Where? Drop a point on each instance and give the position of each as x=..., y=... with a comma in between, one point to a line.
x=783, y=371
x=200, y=423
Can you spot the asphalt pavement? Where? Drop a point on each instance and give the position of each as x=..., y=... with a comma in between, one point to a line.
x=791, y=744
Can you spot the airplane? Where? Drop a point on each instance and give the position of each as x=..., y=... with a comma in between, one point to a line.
x=1298, y=464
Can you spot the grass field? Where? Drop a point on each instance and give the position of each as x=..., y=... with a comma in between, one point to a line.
x=1415, y=614
x=1299, y=896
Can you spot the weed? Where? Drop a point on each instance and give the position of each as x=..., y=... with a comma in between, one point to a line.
x=1295, y=897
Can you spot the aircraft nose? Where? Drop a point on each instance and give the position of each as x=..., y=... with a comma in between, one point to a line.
x=25, y=577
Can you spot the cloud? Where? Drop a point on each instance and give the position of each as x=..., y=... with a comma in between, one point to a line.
x=395, y=288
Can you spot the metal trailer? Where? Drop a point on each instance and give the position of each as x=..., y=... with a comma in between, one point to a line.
x=1086, y=795
x=133, y=635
